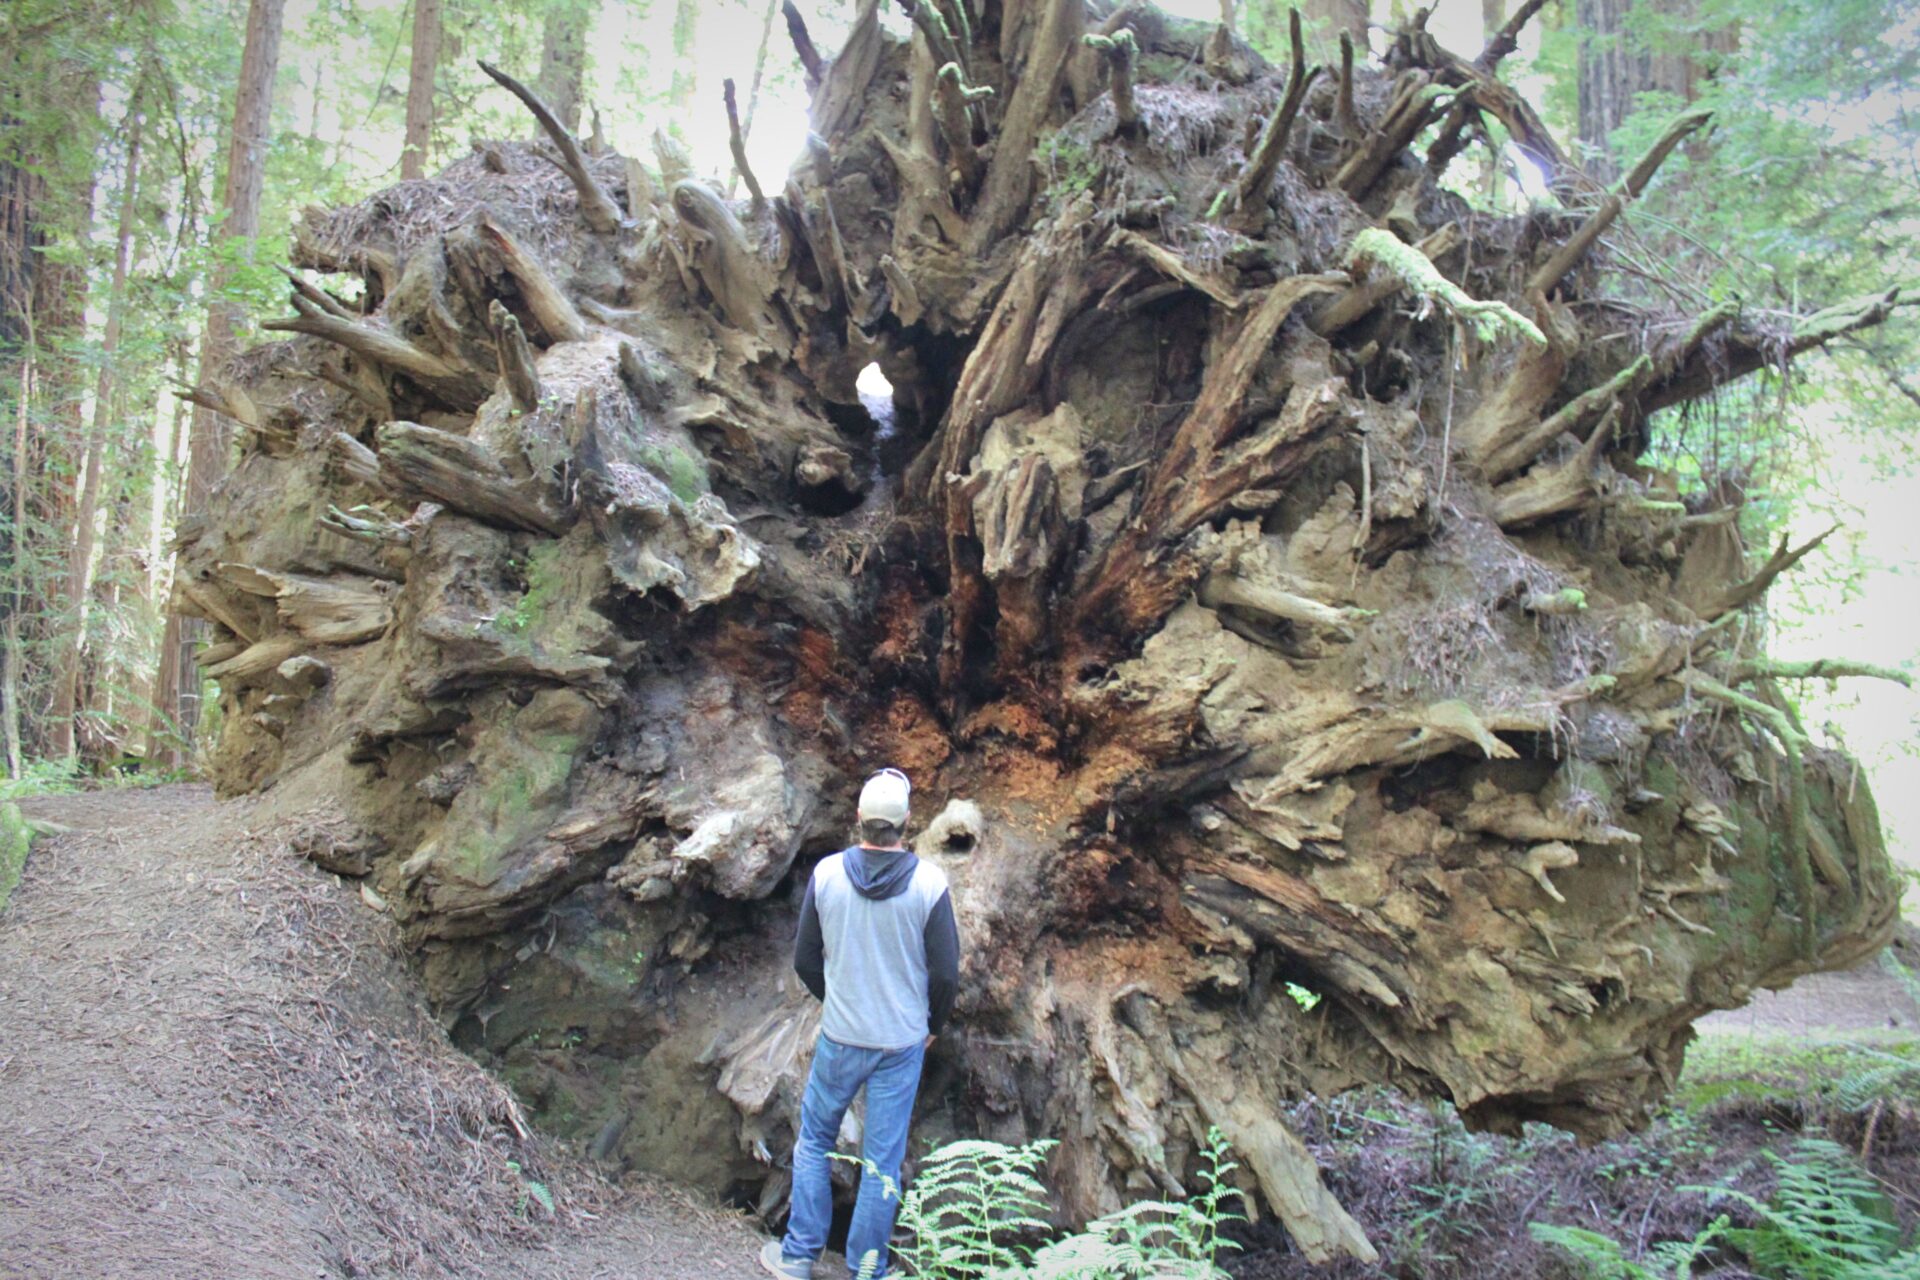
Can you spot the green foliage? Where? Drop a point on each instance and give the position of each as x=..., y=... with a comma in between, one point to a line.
x=531, y=1191
x=1071, y=165
x=1826, y=1220
x=1301, y=996
x=543, y=574
x=1843, y=1076
x=684, y=471
x=975, y=1205
x=969, y=1209
x=16, y=838
x=1604, y=1258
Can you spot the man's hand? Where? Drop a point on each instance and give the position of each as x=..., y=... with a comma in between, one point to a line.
x=927, y=1045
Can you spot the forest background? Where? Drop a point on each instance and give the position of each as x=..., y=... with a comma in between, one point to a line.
x=155, y=157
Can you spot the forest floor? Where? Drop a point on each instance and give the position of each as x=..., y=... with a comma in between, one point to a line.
x=214, y=1063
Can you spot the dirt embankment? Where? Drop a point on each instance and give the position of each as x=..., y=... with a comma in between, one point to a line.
x=214, y=1065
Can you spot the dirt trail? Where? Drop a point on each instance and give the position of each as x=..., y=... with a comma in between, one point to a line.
x=214, y=1065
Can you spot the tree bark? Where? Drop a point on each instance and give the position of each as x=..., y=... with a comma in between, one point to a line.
x=1615, y=67
x=209, y=440
x=61, y=741
x=561, y=83
x=424, y=64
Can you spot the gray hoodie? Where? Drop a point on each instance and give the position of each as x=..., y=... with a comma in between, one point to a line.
x=878, y=946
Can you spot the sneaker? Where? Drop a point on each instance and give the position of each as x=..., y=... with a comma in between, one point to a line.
x=790, y=1268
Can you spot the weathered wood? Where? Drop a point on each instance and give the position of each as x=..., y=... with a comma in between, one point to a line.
x=1741, y=594
x=597, y=208
x=1232, y=675
x=1564, y=259
x=461, y=473
x=551, y=307
x=1246, y=201
x=1500, y=459
x=517, y=368
x=811, y=63
x=951, y=97
x=1358, y=301
x=385, y=348
x=258, y=661
x=1119, y=51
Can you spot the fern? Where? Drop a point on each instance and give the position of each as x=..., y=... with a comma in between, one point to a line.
x=975, y=1202
x=1606, y=1260
x=968, y=1208
x=1826, y=1220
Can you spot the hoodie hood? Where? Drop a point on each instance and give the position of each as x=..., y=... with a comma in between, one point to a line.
x=879, y=873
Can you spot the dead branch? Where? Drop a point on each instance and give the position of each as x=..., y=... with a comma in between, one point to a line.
x=382, y=347
x=1345, y=118
x=1009, y=180
x=1502, y=459
x=1815, y=669
x=1742, y=594
x=1169, y=263
x=463, y=474
x=1549, y=276
x=315, y=294
x=1556, y=490
x=1359, y=300
x=228, y=400
x=1744, y=351
x=737, y=143
x=1416, y=102
x=596, y=206
x=1507, y=39
x=811, y=63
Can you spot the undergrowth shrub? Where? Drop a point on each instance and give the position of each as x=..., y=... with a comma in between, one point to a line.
x=976, y=1207
x=1827, y=1219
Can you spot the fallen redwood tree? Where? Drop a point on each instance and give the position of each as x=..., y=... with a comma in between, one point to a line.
x=1253, y=562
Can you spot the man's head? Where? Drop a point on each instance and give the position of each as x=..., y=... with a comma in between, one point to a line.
x=884, y=806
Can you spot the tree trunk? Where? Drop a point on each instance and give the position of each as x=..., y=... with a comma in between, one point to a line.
x=61, y=742
x=1616, y=67
x=1213, y=673
x=209, y=440
x=47, y=102
x=563, y=59
x=420, y=82
x=1336, y=16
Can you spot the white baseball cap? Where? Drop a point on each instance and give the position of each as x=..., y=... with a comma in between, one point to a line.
x=887, y=797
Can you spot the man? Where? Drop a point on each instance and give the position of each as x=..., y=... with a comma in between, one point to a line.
x=878, y=947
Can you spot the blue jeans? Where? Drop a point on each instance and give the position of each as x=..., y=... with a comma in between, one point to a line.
x=891, y=1079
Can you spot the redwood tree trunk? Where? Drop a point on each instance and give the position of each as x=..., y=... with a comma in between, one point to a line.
x=1236, y=629
x=209, y=440
x=420, y=78
x=563, y=59
x=80, y=558
x=1616, y=66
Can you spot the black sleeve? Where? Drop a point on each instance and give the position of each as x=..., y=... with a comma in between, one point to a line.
x=810, y=948
x=942, y=937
